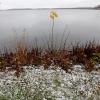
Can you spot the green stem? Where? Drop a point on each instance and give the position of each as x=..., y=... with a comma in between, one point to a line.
x=52, y=35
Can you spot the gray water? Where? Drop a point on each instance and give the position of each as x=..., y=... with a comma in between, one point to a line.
x=81, y=25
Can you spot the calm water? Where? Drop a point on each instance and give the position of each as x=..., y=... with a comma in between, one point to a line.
x=81, y=25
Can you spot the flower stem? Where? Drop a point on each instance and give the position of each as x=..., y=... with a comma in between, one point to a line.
x=52, y=35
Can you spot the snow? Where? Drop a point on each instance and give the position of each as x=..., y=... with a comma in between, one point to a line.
x=36, y=83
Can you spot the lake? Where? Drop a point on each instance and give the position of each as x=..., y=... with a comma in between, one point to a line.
x=80, y=25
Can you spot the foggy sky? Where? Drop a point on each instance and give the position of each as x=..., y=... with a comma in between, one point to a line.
x=7, y=4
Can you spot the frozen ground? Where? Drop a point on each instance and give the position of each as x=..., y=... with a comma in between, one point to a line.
x=39, y=84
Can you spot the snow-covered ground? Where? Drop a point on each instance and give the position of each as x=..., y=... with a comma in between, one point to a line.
x=39, y=84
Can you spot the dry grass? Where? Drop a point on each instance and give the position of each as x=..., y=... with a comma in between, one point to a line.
x=87, y=55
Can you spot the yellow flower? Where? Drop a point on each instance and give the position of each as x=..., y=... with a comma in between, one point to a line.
x=53, y=14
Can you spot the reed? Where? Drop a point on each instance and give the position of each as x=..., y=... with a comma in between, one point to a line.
x=87, y=55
